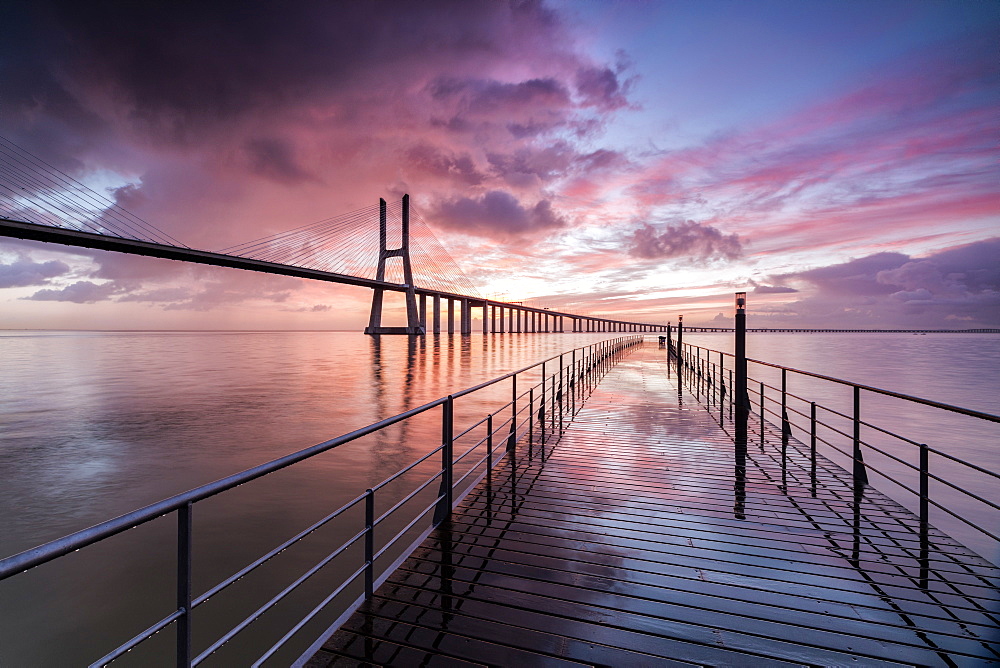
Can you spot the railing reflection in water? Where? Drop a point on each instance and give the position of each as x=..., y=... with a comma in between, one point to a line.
x=534, y=414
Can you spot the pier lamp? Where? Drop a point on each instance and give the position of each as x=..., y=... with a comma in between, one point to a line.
x=740, y=379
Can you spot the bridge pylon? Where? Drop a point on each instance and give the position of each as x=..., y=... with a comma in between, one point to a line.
x=413, y=325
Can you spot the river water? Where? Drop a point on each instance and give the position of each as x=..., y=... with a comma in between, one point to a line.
x=94, y=424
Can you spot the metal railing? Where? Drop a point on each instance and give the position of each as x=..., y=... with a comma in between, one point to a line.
x=776, y=410
x=533, y=416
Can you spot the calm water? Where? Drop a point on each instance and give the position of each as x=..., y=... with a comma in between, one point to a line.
x=97, y=424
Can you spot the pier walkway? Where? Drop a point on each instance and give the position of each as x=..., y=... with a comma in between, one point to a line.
x=645, y=539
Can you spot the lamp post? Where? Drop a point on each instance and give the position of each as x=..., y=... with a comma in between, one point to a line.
x=740, y=381
x=742, y=409
x=680, y=346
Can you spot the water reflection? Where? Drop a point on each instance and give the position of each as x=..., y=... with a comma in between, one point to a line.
x=391, y=449
x=99, y=424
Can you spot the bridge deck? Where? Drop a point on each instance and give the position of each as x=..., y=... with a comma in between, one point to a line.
x=633, y=545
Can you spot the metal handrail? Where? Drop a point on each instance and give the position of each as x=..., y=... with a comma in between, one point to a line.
x=595, y=358
x=690, y=360
x=869, y=388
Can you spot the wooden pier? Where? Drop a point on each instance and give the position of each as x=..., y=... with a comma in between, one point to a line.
x=645, y=539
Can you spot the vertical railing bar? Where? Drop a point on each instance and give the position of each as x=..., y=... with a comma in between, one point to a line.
x=812, y=445
x=369, y=543
x=784, y=407
x=184, y=554
x=489, y=447
x=732, y=399
x=555, y=396
x=924, y=485
x=564, y=400
x=761, y=416
x=541, y=407
x=449, y=443
x=722, y=384
x=860, y=474
x=512, y=438
x=924, y=515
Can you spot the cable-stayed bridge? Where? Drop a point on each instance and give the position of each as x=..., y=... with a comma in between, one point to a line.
x=385, y=247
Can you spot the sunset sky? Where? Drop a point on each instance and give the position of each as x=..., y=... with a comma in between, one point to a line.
x=640, y=160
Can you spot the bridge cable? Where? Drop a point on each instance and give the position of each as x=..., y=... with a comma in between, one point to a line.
x=52, y=196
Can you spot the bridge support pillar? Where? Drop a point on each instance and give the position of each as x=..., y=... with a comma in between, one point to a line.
x=422, y=311
x=466, y=308
x=500, y=320
x=486, y=322
x=437, y=314
x=451, y=315
x=413, y=325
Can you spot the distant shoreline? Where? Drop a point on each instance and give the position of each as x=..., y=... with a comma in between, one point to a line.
x=701, y=329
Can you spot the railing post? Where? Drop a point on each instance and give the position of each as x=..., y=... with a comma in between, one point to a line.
x=562, y=391
x=512, y=438
x=443, y=510
x=732, y=389
x=812, y=445
x=761, y=416
x=489, y=447
x=722, y=384
x=552, y=417
x=369, y=544
x=924, y=515
x=924, y=488
x=573, y=384
x=184, y=551
x=541, y=410
x=531, y=418
x=697, y=366
x=786, y=427
x=860, y=473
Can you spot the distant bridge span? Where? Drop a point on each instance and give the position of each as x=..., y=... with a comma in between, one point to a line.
x=498, y=316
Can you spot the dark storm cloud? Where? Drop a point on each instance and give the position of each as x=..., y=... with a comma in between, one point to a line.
x=687, y=239
x=497, y=214
x=181, y=68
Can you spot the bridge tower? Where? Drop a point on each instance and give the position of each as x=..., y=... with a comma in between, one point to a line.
x=413, y=325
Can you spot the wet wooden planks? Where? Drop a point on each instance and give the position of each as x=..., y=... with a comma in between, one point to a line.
x=646, y=539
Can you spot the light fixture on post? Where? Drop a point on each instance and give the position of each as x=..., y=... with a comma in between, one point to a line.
x=740, y=381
